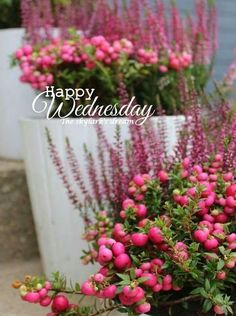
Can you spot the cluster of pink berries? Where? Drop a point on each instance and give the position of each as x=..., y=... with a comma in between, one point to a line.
x=180, y=61
x=211, y=190
x=147, y=56
x=99, y=285
x=37, y=292
x=108, y=53
x=39, y=65
x=34, y=68
x=101, y=228
x=175, y=61
x=137, y=188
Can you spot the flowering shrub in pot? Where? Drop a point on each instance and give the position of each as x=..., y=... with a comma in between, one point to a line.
x=175, y=243
x=145, y=52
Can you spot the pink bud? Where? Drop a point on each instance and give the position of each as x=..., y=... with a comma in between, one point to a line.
x=138, y=180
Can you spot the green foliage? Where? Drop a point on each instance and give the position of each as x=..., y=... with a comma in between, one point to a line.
x=10, y=14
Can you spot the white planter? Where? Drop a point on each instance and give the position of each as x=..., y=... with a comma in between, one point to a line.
x=58, y=225
x=15, y=97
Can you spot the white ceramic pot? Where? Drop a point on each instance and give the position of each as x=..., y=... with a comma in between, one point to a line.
x=59, y=226
x=15, y=97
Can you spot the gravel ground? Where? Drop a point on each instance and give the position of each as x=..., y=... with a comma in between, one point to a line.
x=10, y=302
x=17, y=234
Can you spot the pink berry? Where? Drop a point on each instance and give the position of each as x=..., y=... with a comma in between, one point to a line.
x=157, y=288
x=232, y=245
x=201, y=235
x=184, y=200
x=110, y=291
x=211, y=244
x=103, y=271
x=140, y=295
x=228, y=176
x=155, y=235
x=192, y=191
x=87, y=289
x=231, y=190
x=221, y=275
x=143, y=308
x=167, y=279
x=222, y=201
x=218, y=310
x=139, y=239
x=231, y=238
x=157, y=265
x=138, y=180
x=139, y=197
x=126, y=301
x=60, y=303
x=118, y=248
x=210, y=201
x=138, y=272
x=129, y=292
x=46, y=301
x=163, y=176
x=151, y=279
x=32, y=297
x=122, y=261
x=19, y=53
x=27, y=49
x=43, y=292
x=230, y=201
x=105, y=254
x=163, y=69
x=230, y=264
x=202, y=176
x=146, y=266
x=48, y=285
x=222, y=218
x=99, y=277
x=229, y=210
x=102, y=241
x=127, y=203
x=141, y=210
x=167, y=287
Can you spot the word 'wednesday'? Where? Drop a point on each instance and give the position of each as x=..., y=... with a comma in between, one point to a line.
x=55, y=109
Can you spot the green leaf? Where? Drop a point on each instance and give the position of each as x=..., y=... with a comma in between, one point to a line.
x=77, y=287
x=196, y=291
x=141, y=280
x=132, y=274
x=207, y=306
x=207, y=285
x=203, y=293
x=220, y=265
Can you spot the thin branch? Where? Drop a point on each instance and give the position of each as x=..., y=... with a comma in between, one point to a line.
x=179, y=301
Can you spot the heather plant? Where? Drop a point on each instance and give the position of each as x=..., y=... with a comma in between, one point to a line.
x=173, y=245
x=136, y=43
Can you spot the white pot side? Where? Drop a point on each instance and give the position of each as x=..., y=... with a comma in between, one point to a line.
x=58, y=225
x=15, y=97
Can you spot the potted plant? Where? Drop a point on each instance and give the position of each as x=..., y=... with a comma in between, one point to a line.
x=172, y=248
